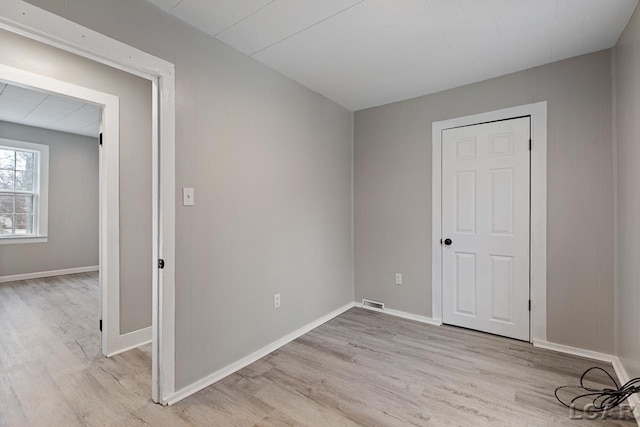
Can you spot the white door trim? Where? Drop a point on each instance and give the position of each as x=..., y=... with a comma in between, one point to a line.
x=538, y=114
x=30, y=21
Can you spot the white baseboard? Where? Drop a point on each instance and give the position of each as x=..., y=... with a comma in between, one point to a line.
x=589, y=354
x=402, y=314
x=247, y=360
x=621, y=373
x=130, y=341
x=52, y=273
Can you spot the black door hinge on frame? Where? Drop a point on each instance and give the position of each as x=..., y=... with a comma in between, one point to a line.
x=529, y=305
x=530, y=144
x=100, y=325
x=160, y=264
x=100, y=138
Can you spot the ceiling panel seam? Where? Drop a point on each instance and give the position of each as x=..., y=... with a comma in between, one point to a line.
x=34, y=108
x=246, y=17
x=306, y=28
x=178, y=4
x=73, y=112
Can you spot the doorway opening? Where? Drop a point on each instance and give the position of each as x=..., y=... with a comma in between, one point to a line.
x=21, y=18
x=60, y=190
x=54, y=107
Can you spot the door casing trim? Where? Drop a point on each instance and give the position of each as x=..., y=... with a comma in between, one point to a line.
x=538, y=240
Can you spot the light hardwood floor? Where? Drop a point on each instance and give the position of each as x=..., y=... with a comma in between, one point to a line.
x=361, y=368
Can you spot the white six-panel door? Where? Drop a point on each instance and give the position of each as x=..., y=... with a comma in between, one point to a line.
x=485, y=227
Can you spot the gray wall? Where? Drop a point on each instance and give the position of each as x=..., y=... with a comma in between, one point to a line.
x=627, y=112
x=135, y=160
x=73, y=204
x=393, y=193
x=271, y=165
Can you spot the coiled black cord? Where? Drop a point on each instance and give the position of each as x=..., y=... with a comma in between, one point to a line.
x=601, y=399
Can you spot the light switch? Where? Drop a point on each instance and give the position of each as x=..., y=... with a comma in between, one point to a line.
x=188, y=197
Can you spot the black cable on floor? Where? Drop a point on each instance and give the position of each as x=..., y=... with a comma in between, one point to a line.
x=600, y=399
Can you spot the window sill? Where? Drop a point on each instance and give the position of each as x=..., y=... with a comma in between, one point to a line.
x=12, y=240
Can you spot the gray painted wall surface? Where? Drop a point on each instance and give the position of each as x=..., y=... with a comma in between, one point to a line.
x=271, y=165
x=393, y=193
x=73, y=204
x=627, y=112
x=135, y=160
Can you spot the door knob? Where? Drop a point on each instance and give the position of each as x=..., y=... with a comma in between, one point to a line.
x=448, y=242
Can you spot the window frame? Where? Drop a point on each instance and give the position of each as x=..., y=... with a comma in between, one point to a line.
x=41, y=198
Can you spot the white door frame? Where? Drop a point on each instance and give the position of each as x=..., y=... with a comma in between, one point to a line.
x=538, y=261
x=30, y=21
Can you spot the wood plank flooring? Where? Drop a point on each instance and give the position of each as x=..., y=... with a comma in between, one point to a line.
x=360, y=369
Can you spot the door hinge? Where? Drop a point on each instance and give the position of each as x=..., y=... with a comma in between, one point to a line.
x=530, y=144
x=529, y=305
x=161, y=264
x=101, y=138
x=100, y=325
x=440, y=241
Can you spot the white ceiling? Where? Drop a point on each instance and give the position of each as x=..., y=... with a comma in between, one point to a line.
x=32, y=108
x=362, y=53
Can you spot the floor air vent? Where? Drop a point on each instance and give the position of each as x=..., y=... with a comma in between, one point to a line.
x=374, y=305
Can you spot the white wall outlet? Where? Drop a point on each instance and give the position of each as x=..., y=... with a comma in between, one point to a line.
x=188, y=197
x=276, y=301
x=398, y=278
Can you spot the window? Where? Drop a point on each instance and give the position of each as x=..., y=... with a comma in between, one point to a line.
x=23, y=191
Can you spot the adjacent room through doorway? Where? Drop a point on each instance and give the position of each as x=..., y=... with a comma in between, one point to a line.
x=49, y=225
x=75, y=180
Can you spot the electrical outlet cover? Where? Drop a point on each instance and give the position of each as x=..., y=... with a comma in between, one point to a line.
x=276, y=301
